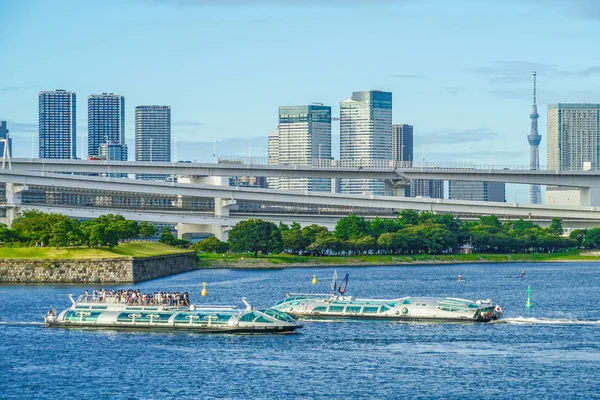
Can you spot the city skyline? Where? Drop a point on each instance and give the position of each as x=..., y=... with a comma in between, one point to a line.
x=465, y=67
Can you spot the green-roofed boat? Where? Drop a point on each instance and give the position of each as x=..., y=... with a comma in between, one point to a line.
x=86, y=312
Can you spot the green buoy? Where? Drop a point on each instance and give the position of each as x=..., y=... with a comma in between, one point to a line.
x=529, y=305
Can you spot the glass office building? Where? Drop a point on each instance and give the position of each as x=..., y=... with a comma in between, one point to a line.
x=365, y=137
x=402, y=144
x=57, y=124
x=477, y=191
x=153, y=136
x=106, y=120
x=303, y=137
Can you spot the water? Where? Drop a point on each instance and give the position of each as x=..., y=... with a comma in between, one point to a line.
x=550, y=351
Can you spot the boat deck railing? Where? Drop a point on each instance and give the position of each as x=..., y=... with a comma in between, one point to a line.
x=116, y=299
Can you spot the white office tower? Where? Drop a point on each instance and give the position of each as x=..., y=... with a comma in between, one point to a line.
x=303, y=137
x=273, y=157
x=365, y=137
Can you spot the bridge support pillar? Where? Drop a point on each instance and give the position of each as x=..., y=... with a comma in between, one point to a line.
x=222, y=207
x=13, y=201
x=395, y=187
x=589, y=197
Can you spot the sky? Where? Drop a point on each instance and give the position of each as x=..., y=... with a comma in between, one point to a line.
x=460, y=70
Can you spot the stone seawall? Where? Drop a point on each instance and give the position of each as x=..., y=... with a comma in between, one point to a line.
x=99, y=270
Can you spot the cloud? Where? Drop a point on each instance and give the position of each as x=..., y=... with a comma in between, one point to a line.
x=15, y=88
x=508, y=72
x=456, y=137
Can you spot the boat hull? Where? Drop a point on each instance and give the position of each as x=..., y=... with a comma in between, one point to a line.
x=186, y=328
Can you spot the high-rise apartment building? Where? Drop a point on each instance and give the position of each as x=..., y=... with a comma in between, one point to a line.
x=432, y=188
x=3, y=135
x=57, y=124
x=303, y=137
x=573, y=136
x=365, y=136
x=477, y=191
x=273, y=157
x=402, y=144
x=153, y=136
x=106, y=121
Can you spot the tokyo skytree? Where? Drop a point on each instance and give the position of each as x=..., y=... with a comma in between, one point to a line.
x=534, y=138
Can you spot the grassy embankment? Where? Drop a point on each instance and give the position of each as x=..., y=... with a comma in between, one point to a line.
x=132, y=249
x=283, y=260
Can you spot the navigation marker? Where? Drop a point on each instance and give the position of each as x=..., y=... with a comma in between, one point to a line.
x=529, y=305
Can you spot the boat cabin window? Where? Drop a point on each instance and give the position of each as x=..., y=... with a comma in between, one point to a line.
x=370, y=310
x=248, y=317
x=336, y=308
x=353, y=309
x=320, y=309
x=384, y=308
x=263, y=320
x=407, y=301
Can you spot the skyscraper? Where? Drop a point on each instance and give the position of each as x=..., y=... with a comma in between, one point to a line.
x=303, y=138
x=573, y=136
x=273, y=157
x=106, y=121
x=402, y=144
x=3, y=135
x=365, y=136
x=153, y=136
x=534, y=138
x=477, y=191
x=57, y=124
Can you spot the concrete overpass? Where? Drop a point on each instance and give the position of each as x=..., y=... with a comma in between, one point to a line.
x=384, y=170
x=232, y=194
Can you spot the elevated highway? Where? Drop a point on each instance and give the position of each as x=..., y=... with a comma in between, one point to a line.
x=386, y=170
x=231, y=194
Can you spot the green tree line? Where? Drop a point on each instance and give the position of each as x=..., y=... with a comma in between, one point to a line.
x=409, y=233
x=34, y=227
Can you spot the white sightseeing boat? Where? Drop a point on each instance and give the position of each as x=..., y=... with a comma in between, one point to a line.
x=338, y=306
x=109, y=313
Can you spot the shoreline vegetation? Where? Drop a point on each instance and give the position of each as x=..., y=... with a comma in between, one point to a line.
x=129, y=249
x=279, y=261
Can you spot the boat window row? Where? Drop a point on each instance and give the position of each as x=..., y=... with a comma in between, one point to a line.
x=351, y=309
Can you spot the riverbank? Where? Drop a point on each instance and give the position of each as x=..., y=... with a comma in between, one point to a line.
x=211, y=261
x=126, y=263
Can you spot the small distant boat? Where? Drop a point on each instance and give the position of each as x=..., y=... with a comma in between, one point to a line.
x=337, y=306
x=209, y=319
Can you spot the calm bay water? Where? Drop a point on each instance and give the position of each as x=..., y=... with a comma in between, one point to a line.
x=550, y=351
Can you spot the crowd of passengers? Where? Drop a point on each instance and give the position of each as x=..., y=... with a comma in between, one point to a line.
x=136, y=297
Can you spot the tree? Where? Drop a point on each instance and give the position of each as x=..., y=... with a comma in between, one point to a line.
x=578, y=235
x=167, y=237
x=351, y=227
x=255, y=235
x=60, y=233
x=210, y=245
x=556, y=227
x=146, y=230
x=292, y=239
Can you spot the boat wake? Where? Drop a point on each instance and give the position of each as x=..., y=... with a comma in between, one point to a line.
x=20, y=323
x=546, y=321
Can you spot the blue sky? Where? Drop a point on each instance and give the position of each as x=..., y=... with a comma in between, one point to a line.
x=460, y=70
